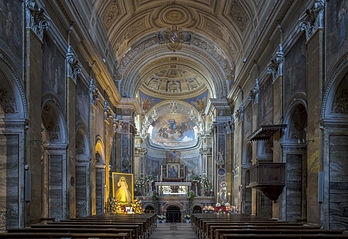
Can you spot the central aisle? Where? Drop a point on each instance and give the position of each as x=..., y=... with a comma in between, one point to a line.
x=173, y=230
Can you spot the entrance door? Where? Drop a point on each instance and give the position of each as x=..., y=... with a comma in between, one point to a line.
x=173, y=214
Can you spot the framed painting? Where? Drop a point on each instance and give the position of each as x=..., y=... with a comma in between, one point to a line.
x=123, y=190
x=173, y=170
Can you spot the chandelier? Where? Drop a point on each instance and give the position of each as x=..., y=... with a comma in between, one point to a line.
x=174, y=38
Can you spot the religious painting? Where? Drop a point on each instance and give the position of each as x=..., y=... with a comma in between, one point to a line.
x=174, y=130
x=173, y=170
x=173, y=156
x=147, y=102
x=123, y=187
x=199, y=102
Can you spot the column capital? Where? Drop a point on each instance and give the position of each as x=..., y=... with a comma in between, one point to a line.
x=36, y=19
x=275, y=67
x=73, y=65
x=313, y=18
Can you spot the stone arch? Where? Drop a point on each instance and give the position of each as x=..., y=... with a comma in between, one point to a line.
x=82, y=143
x=82, y=171
x=334, y=122
x=265, y=150
x=13, y=115
x=149, y=208
x=294, y=146
x=53, y=121
x=173, y=213
x=54, y=146
x=12, y=96
x=197, y=208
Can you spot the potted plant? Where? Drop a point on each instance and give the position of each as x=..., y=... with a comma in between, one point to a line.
x=187, y=218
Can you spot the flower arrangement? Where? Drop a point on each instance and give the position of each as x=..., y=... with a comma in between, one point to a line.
x=187, y=217
x=137, y=206
x=116, y=207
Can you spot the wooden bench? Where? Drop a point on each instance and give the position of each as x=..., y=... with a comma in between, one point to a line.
x=285, y=236
x=63, y=235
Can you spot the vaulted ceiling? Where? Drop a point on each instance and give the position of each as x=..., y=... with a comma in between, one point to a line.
x=218, y=28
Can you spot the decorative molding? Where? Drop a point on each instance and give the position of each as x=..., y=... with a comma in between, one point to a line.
x=36, y=19
x=313, y=18
x=73, y=66
x=254, y=93
x=275, y=67
x=239, y=114
x=93, y=92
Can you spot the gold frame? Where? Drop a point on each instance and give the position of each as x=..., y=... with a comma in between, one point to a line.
x=113, y=184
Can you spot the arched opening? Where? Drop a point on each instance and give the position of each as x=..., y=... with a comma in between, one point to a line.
x=149, y=209
x=197, y=209
x=335, y=124
x=173, y=214
x=294, y=150
x=11, y=149
x=82, y=172
x=99, y=176
x=54, y=203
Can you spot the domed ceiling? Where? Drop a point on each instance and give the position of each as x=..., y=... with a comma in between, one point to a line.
x=172, y=77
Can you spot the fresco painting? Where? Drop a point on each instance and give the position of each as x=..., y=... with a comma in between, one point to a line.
x=199, y=102
x=147, y=102
x=174, y=130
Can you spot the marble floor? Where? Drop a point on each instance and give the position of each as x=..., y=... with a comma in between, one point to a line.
x=173, y=230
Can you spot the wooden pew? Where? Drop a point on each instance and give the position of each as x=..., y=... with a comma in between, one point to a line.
x=130, y=232
x=63, y=235
x=285, y=236
x=135, y=228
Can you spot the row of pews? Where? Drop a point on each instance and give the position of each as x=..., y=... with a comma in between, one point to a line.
x=234, y=226
x=125, y=226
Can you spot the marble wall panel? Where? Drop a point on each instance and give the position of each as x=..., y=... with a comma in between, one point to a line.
x=337, y=33
x=99, y=121
x=338, y=191
x=56, y=187
x=293, y=186
x=54, y=81
x=82, y=102
x=264, y=206
x=11, y=28
x=9, y=184
x=100, y=190
x=295, y=70
x=81, y=191
x=247, y=121
x=265, y=115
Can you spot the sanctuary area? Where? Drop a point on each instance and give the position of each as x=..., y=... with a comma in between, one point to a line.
x=155, y=118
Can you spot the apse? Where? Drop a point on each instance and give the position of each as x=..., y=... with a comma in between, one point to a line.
x=174, y=126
